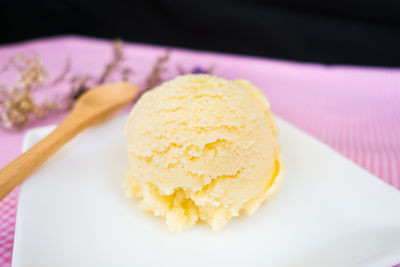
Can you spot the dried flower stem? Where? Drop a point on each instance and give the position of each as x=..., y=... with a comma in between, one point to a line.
x=114, y=64
x=61, y=77
x=17, y=105
x=155, y=76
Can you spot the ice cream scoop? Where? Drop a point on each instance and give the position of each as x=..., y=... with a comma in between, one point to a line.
x=202, y=148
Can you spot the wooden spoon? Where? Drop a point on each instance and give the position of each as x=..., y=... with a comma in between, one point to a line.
x=94, y=106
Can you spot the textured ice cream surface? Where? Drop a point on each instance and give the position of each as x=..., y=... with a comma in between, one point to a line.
x=202, y=148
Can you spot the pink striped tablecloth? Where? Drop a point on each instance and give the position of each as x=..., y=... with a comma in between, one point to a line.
x=355, y=110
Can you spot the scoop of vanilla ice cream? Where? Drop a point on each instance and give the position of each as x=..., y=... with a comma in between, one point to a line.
x=202, y=148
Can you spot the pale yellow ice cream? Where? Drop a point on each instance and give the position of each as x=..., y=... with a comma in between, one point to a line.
x=202, y=148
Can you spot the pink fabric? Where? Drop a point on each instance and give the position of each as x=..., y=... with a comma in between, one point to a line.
x=352, y=109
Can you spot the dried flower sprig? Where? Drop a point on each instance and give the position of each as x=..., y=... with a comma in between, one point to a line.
x=82, y=83
x=113, y=65
x=61, y=77
x=17, y=105
x=156, y=75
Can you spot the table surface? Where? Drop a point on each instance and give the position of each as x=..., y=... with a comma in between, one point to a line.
x=355, y=110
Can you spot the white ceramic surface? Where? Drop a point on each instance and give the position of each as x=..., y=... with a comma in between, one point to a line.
x=329, y=212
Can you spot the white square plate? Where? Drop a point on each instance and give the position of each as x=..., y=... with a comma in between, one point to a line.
x=329, y=212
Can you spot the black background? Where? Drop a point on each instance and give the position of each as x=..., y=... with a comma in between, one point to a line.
x=332, y=32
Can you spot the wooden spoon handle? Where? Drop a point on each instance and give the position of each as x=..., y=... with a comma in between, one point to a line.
x=19, y=169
